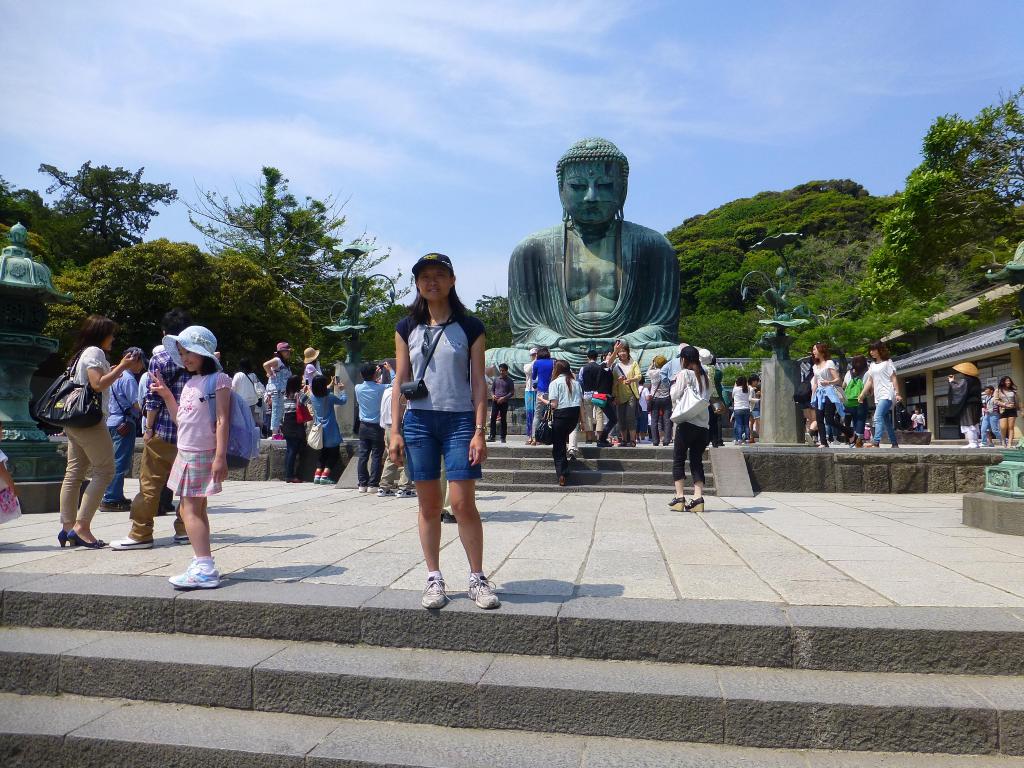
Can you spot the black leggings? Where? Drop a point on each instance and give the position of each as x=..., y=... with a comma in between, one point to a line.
x=563, y=422
x=329, y=457
x=830, y=415
x=690, y=443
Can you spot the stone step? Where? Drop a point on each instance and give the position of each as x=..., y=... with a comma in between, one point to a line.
x=970, y=641
x=586, y=451
x=740, y=706
x=66, y=730
x=574, y=486
x=544, y=461
x=660, y=481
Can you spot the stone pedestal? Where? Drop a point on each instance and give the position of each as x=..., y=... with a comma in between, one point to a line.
x=999, y=514
x=25, y=289
x=346, y=414
x=781, y=420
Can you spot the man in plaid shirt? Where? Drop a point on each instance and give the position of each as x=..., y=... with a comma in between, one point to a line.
x=160, y=445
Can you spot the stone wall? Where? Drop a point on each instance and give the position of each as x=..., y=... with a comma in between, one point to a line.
x=269, y=465
x=884, y=470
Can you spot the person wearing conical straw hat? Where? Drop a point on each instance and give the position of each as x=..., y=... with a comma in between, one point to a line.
x=965, y=401
x=311, y=357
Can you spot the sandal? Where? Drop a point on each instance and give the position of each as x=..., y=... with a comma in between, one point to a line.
x=695, y=505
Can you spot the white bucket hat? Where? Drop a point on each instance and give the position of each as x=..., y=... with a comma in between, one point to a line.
x=195, y=339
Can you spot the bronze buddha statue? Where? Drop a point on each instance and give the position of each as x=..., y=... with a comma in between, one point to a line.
x=594, y=278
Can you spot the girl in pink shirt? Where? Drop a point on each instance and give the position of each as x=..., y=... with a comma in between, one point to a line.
x=201, y=463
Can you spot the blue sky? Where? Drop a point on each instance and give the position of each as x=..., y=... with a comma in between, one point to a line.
x=440, y=123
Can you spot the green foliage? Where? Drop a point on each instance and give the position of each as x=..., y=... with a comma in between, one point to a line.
x=493, y=312
x=379, y=339
x=961, y=209
x=137, y=285
x=840, y=221
x=98, y=211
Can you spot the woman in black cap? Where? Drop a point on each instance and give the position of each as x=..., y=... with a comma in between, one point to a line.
x=439, y=350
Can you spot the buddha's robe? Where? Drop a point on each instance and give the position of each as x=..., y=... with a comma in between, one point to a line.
x=642, y=301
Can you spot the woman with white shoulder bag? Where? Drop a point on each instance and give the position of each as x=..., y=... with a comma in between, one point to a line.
x=690, y=394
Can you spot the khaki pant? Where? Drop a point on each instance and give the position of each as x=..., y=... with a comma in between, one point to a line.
x=157, y=460
x=392, y=475
x=88, y=448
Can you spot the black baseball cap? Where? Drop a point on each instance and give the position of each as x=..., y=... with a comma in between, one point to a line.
x=432, y=258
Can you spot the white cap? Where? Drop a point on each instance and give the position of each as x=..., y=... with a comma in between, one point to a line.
x=705, y=356
x=533, y=350
x=158, y=349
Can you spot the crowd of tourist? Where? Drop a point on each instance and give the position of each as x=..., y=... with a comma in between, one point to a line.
x=420, y=425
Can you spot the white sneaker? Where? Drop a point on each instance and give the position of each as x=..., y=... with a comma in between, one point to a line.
x=482, y=593
x=405, y=493
x=383, y=492
x=129, y=543
x=362, y=489
x=182, y=538
x=434, y=595
x=196, y=577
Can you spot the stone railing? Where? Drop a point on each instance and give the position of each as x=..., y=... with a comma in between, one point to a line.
x=882, y=470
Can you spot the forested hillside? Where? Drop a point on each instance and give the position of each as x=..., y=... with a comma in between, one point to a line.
x=867, y=264
x=841, y=223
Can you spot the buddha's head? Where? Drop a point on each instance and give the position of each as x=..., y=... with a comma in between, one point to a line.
x=592, y=182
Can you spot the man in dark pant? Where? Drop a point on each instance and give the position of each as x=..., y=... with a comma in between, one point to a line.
x=501, y=392
x=369, y=394
x=604, y=387
x=371, y=442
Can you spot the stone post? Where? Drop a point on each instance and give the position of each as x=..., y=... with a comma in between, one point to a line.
x=25, y=288
x=781, y=420
x=346, y=413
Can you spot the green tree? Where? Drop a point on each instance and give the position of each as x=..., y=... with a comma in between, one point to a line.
x=98, y=210
x=293, y=242
x=493, y=313
x=961, y=209
x=136, y=285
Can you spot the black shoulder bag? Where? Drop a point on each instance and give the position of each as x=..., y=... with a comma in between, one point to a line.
x=69, y=404
x=417, y=388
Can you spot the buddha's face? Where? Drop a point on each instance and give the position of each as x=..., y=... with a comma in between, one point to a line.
x=592, y=192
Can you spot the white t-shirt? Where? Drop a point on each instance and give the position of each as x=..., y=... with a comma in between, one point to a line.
x=740, y=399
x=881, y=380
x=93, y=357
x=242, y=384
x=917, y=419
x=528, y=370
x=822, y=373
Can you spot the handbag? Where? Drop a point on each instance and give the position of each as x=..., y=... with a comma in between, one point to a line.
x=302, y=414
x=542, y=432
x=315, y=436
x=10, y=507
x=315, y=432
x=599, y=399
x=417, y=389
x=689, y=404
x=66, y=403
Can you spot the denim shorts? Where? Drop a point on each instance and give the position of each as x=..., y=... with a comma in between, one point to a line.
x=431, y=434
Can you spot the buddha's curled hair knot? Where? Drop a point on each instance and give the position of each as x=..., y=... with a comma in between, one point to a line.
x=594, y=149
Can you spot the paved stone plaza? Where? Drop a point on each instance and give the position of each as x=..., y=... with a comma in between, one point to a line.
x=812, y=549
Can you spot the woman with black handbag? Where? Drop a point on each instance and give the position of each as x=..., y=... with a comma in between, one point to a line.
x=89, y=446
x=690, y=392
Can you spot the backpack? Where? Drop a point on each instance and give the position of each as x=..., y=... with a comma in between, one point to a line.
x=853, y=390
x=243, y=434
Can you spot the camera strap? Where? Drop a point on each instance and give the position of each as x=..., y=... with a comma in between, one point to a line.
x=433, y=346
